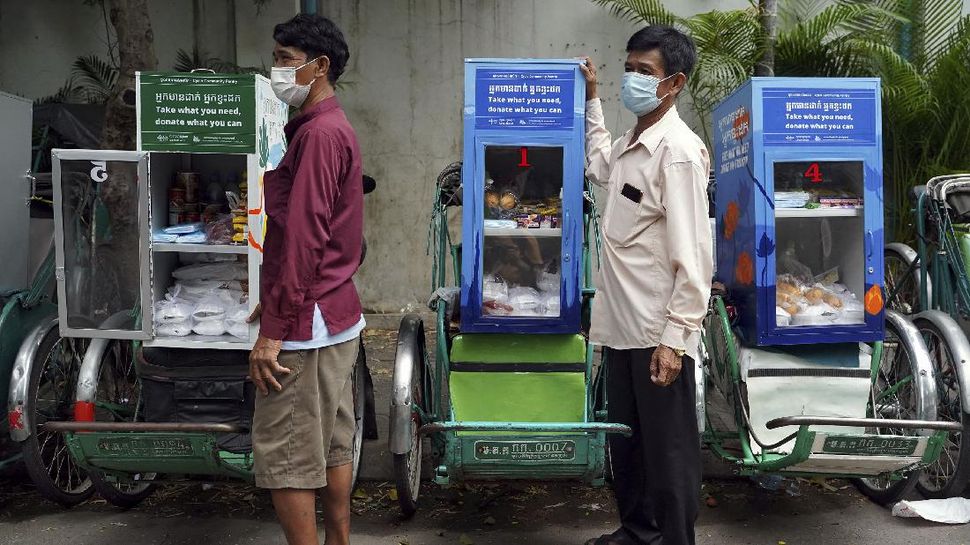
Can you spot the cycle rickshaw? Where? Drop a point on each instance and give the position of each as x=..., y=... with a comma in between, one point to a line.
x=808, y=374
x=509, y=391
x=162, y=393
x=931, y=284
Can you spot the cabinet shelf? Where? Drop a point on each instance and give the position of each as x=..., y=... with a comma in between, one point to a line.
x=542, y=232
x=221, y=342
x=200, y=248
x=853, y=212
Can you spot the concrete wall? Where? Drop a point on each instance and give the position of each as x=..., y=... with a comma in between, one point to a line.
x=404, y=95
x=39, y=39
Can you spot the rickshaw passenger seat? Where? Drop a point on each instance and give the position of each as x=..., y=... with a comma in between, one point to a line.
x=518, y=378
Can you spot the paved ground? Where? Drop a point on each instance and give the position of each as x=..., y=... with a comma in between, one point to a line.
x=482, y=515
x=535, y=513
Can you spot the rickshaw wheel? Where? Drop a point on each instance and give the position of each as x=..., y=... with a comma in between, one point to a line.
x=50, y=393
x=118, y=400
x=902, y=279
x=359, y=410
x=948, y=476
x=407, y=466
x=896, y=366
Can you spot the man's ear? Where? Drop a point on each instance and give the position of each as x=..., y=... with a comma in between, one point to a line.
x=323, y=67
x=678, y=82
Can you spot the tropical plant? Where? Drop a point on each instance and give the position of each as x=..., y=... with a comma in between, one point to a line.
x=90, y=82
x=921, y=50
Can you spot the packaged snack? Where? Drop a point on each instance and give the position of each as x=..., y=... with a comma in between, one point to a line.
x=529, y=221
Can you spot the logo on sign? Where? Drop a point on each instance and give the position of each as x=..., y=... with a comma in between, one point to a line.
x=741, y=124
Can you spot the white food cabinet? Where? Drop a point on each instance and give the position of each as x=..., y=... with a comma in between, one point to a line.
x=110, y=272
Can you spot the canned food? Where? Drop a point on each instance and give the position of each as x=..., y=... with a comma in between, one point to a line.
x=176, y=197
x=192, y=217
x=190, y=182
x=175, y=217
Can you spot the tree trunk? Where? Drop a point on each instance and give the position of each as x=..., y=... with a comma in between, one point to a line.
x=768, y=12
x=136, y=51
x=119, y=192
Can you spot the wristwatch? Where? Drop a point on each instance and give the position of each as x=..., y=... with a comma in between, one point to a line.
x=678, y=352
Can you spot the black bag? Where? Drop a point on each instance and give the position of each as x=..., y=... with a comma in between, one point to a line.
x=199, y=386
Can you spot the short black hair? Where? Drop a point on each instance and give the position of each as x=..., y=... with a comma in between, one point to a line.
x=676, y=48
x=315, y=36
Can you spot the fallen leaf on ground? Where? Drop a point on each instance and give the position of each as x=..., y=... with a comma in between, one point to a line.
x=490, y=521
x=465, y=540
x=392, y=494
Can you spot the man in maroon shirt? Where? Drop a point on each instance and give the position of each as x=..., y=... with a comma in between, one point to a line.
x=310, y=313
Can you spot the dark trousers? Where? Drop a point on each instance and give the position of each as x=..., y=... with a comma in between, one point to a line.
x=657, y=471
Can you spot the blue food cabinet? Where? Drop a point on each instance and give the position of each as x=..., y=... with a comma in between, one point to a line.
x=523, y=180
x=799, y=209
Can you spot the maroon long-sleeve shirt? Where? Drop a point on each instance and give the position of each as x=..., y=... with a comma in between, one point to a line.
x=314, y=205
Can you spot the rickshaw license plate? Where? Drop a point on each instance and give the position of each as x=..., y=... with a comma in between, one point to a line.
x=143, y=446
x=526, y=451
x=875, y=446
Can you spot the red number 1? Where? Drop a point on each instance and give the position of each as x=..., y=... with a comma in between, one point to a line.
x=814, y=173
x=525, y=157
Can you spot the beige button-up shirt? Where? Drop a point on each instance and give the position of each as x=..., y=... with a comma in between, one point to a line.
x=655, y=276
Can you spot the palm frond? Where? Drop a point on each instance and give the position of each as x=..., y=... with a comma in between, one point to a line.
x=95, y=76
x=69, y=93
x=938, y=19
x=651, y=12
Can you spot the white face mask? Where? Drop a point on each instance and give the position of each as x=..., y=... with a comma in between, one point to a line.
x=283, y=82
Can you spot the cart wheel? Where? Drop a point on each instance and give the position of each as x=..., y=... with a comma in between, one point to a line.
x=893, y=396
x=117, y=400
x=360, y=401
x=947, y=477
x=411, y=358
x=50, y=394
x=902, y=278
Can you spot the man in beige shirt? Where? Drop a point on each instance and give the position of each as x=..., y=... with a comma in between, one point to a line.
x=654, y=285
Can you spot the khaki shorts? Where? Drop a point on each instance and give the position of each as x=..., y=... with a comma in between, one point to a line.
x=308, y=426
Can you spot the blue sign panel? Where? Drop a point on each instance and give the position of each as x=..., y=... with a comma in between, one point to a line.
x=819, y=116
x=537, y=99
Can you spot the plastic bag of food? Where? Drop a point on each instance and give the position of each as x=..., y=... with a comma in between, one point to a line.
x=179, y=329
x=183, y=229
x=186, y=258
x=525, y=301
x=212, y=271
x=210, y=328
x=212, y=307
x=494, y=287
x=548, y=282
x=551, y=305
x=220, y=231
x=236, y=321
x=197, y=237
x=173, y=309
x=163, y=237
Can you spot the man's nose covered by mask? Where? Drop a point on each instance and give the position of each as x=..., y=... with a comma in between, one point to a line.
x=283, y=82
x=639, y=92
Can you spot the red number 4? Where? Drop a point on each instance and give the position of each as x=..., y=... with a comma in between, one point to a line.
x=814, y=173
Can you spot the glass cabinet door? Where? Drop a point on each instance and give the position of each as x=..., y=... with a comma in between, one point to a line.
x=820, y=257
x=102, y=248
x=523, y=231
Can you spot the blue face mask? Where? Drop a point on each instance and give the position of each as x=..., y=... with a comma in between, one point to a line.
x=639, y=92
